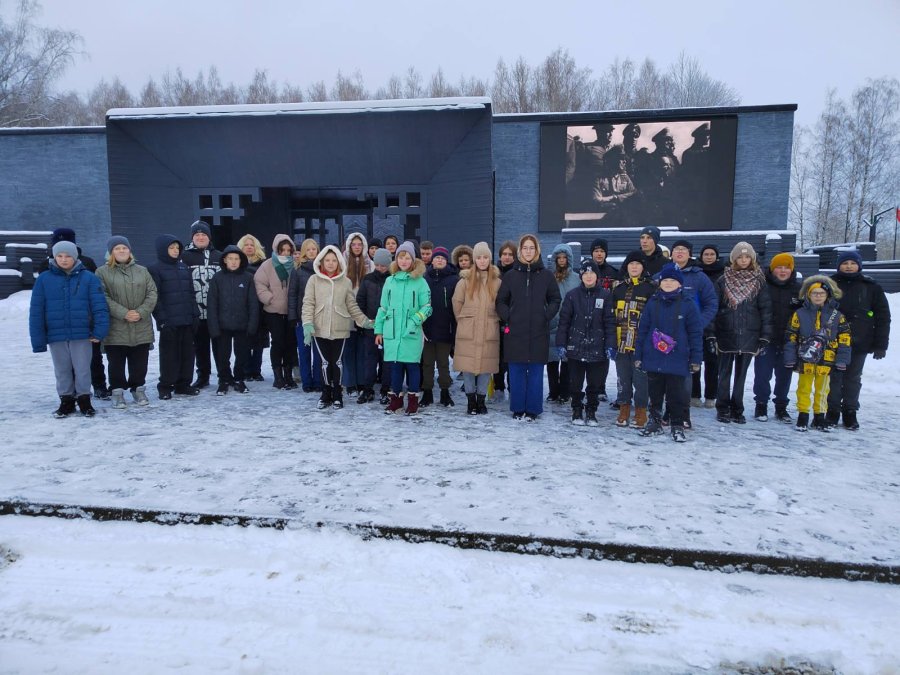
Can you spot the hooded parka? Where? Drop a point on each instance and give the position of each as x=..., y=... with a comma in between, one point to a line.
x=329, y=303
x=477, y=346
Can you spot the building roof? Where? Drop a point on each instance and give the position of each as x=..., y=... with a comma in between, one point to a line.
x=647, y=114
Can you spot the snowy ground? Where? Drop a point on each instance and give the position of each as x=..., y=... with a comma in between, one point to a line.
x=110, y=597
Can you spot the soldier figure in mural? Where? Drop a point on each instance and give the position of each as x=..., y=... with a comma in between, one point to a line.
x=614, y=186
x=694, y=174
x=696, y=157
x=588, y=166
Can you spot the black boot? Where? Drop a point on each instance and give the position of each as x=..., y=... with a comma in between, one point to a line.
x=446, y=401
x=324, y=399
x=782, y=415
x=201, y=382
x=84, y=405
x=337, y=398
x=850, y=420
x=832, y=416
x=278, y=381
x=385, y=397
x=66, y=407
x=288, y=376
x=761, y=414
x=368, y=394
x=819, y=423
x=102, y=392
x=427, y=398
x=472, y=408
x=590, y=417
x=803, y=421
x=577, y=416
x=480, y=406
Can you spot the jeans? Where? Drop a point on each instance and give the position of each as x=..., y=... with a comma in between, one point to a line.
x=413, y=374
x=771, y=360
x=846, y=384
x=631, y=381
x=310, y=362
x=526, y=388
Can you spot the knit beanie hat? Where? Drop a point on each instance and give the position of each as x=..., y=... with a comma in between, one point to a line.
x=671, y=271
x=382, y=257
x=851, y=254
x=782, y=260
x=589, y=265
x=634, y=256
x=711, y=247
x=65, y=247
x=599, y=243
x=652, y=231
x=407, y=247
x=742, y=248
x=481, y=248
x=117, y=240
x=376, y=242
x=816, y=285
x=440, y=251
x=684, y=242
x=62, y=234
x=200, y=226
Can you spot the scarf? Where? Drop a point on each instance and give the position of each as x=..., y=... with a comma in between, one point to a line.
x=283, y=270
x=741, y=285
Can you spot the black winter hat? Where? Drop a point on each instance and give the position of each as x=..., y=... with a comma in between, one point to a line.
x=62, y=234
x=600, y=243
x=376, y=242
x=652, y=231
x=200, y=226
x=589, y=265
x=713, y=247
x=684, y=242
x=634, y=256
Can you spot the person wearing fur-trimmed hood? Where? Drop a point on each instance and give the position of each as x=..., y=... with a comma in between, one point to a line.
x=329, y=312
x=461, y=257
x=818, y=341
x=562, y=264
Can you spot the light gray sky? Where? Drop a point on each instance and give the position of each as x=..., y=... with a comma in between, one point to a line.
x=770, y=51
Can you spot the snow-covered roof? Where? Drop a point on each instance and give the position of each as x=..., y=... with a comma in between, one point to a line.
x=319, y=108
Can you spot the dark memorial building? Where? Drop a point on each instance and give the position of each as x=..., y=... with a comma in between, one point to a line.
x=417, y=169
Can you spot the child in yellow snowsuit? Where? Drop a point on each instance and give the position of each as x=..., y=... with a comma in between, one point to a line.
x=818, y=338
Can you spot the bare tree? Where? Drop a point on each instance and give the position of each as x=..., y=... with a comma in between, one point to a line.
x=560, y=85
x=439, y=87
x=349, y=88
x=798, y=202
x=412, y=85
x=825, y=167
x=616, y=87
x=650, y=87
x=31, y=59
x=393, y=89
x=150, y=96
x=690, y=86
x=317, y=92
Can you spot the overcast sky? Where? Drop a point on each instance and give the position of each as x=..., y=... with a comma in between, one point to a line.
x=770, y=51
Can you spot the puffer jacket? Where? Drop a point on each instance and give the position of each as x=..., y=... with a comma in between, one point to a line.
x=329, y=303
x=738, y=330
x=368, y=296
x=701, y=290
x=477, y=346
x=67, y=306
x=570, y=282
x=128, y=287
x=270, y=289
x=297, y=288
x=527, y=301
x=785, y=297
x=629, y=299
x=679, y=318
x=176, y=304
x=441, y=325
x=404, y=307
x=809, y=319
x=586, y=324
x=203, y=263
x=865, y=306
x=233, y=305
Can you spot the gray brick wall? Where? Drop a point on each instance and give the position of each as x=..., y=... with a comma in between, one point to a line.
x=56, y=178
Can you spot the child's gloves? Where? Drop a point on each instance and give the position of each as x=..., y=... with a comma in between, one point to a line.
x=879, y=354
x=695, y=367
x=308, y=332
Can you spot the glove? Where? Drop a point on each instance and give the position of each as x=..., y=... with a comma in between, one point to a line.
x=879, y=354
x=611, y=353
x=695, y=367
x=638, y=364
x=369, y=325
x=761, y=346
x=561, y=352
x=711, y=344
x=308, y=332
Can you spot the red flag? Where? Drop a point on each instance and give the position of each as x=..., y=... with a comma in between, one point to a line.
x=898, y=215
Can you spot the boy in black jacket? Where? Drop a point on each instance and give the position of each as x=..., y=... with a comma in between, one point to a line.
x=368, y=297
x=586, y=337
x=232, y=313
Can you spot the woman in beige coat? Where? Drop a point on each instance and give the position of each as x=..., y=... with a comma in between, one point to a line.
x=329, y=311
x=271, y=281
x=131, y=296
x=477, y=349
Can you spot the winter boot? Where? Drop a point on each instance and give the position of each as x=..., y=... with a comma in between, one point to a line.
x=385, y=398
x=850, y=420
x=368, y=394
x=66, y=407
x=222, y=389
x=84, y=405
x=427, y=398
x=761, y=413
x=187, y=390
x=480, y=406
x=278, y=381
x=590, y=417
x=624, y=413
x=337, y=398
x=678, y=434
x=446, y=401
x=412, y=404
x=325, y=399
x=832, y=416
x=723, y=416
x=578, y=416
x=240, y=387
x=819, y=423
x=118, y=399
x=653, y=428
x=102, y=392
x=782, y=415
x=165, y=393
x=139, y=394
x=289, y=381
x=202, y=382
x=737, y=416
x=395, y=404
x=803, y=421
x=472, y=408
x=640, y=418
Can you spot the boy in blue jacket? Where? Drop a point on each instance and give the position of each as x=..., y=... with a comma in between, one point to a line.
x=69, y=313
x=669, y=347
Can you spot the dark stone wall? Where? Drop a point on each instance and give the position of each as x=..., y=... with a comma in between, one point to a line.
x=53, y=178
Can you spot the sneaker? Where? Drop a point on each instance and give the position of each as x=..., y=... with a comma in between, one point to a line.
x=165, y=394
x=696, y=403
x=761, y=414
x=850, y=421
x=223, y=389
x=66, y=407
x=337, y=404
x=140, y=396
x=709, y=403
x=365, y=396
x=201, y=382
x=652, y=428
x=590, y=418
x=385, y=398
x=102, y=392
x=832, y=417
x=723, y=417
x=84, y=405
x=802, y=421
x=531, y=417
x=518, y=416
x=678, y=435
x=738, y=418
x=602, y=398
x=240, y=387
x=782, y=415
x=324, y=402
x=577, y=417
x=118, y=399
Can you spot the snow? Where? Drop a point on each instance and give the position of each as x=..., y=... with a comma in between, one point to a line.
x=27, y=233
x=313, y=108
x=253, y=600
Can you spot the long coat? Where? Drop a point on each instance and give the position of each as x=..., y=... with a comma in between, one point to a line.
x=527, y=301
x=128, y=286
x=67, y=307
x=477, y=347
x=405, y=304
x=329, y=303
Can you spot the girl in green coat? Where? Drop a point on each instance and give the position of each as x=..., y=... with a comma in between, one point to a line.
x=131, y=296
x=405, y=304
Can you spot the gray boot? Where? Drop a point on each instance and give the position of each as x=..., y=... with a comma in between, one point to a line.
x=140, y=396
x=118, y=399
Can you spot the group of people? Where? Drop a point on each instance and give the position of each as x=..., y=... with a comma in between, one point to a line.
x=366, y=318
